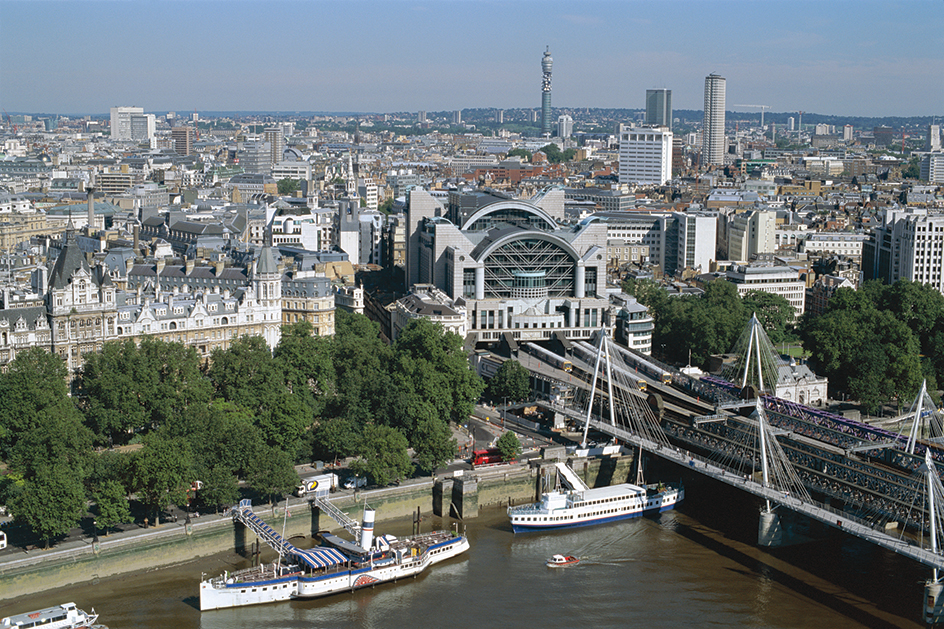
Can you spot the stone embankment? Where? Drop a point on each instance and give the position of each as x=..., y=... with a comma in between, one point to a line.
x=459, y=497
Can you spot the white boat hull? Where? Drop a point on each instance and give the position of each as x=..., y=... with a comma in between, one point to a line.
x=217, y=594
x=590, y=507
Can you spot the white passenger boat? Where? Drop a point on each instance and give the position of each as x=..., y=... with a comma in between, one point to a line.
x=66, y=616
x=584, y=507
x=339, y=566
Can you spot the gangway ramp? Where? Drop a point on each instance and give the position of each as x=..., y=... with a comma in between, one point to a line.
x=349, y=525
x=314, y=557
x=570, y=477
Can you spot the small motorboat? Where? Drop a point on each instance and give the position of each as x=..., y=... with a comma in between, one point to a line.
x=561, y=561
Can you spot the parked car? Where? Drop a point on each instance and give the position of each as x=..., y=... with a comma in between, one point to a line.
x=355, y=482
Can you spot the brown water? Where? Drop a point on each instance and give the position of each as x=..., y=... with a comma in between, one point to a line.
x=694, y=567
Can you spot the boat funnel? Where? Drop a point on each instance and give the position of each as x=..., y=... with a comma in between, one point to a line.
x=367, y=529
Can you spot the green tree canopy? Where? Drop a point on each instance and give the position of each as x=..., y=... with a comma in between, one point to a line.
x=272, y=474
x=163, y=472
x=306, y=361
x=287, y=186
x=111, y=505
x=129, y=388
x=52, y=502
x=520, y=152
x=509, y=445
x=382, y=455
x=512, y=381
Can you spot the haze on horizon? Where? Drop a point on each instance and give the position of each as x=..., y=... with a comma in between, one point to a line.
x=850, y=58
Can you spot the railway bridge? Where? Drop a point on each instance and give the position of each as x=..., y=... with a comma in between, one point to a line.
x=874, y=484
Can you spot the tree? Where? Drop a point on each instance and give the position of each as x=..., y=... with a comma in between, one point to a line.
x=272, y=474
x=287, y=186
x=509, y=445
x=219, y=487
x=433, y=444
x=773, y=311
x=306, y=361
x=335, y=437
x=248, y=375
x=911, y=170
x=112, y=505
x=162, y=473
x=130, y=388
x=520, y=152
x=382, y=455
x=553, y=153
x=512, y=380
x=52, y=502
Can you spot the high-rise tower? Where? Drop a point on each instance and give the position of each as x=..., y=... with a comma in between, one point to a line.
x=659, y=107
x=713, y=144
x=546, y=64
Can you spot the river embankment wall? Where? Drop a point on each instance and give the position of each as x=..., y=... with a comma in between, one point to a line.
x=176, y=543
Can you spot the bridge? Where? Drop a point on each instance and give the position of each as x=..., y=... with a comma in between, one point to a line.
x=781, y=453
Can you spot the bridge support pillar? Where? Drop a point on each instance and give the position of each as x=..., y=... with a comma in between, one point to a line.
x=465, y=498
x=933, y=602
x=769, y=529
x=442, y=496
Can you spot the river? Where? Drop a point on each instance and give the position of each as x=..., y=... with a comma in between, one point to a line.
x=697, y=566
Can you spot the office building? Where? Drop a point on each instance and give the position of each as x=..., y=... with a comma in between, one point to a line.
x=121, y=121
x=565, y=126
x=276, y=142
x=457, y=117
x=659, y=107
x=847, y=133
x=142, y=127
x=645, y=155
x=933, y=141
x=183, y=140
x=547, y=64
x=776, y=280
x=713, y=140
x=751, y=233
x=421, y=116
x=908, y=244
x=932, y=167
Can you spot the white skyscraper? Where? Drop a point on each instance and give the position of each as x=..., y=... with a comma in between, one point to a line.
x=121, y=121
x=847, y=133
x=565, y=126
x=645, y=156
x=933, y=140
x=713, y=133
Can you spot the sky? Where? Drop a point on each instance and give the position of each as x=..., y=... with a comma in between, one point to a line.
x=838, y=57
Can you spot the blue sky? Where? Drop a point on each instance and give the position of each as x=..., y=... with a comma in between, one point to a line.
x=857, y=58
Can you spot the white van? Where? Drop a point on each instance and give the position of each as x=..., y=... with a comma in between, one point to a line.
x=3, y=540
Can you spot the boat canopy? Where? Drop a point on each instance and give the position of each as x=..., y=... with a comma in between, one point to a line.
x=321, y=557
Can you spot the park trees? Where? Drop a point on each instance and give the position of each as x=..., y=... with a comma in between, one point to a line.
x=111, y=505
x=383, y=455
x=509, y=445
x=272, y=474
x=129, y=388
x=865, y=345
x=51, y=502
x=39, y=423
x=162, y=473
x=512, y=381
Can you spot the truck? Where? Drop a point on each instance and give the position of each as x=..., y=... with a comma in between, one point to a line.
x=319, y=484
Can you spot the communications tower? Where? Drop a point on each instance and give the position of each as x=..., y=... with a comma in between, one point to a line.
x=546, y=64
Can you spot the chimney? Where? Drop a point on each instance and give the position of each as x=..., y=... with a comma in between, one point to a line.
x=137, y=238
x=188, y=266
x=160, y=266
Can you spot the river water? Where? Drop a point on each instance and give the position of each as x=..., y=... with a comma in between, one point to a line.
x=697, y=566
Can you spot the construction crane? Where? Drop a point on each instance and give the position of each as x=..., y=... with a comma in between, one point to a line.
x=762, y=108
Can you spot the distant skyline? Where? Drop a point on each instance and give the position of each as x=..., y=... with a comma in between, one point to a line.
x=837, y=58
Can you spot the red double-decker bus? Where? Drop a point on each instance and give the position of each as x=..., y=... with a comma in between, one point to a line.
x=485, y=457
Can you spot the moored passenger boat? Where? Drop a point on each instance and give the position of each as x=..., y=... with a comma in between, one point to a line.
x=65, y=616
x=338, y=566
x=565, y=509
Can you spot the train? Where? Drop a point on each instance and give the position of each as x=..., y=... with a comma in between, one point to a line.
x=548, y=356
x=588, y=354
x=633, y=360
x=848, y=432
